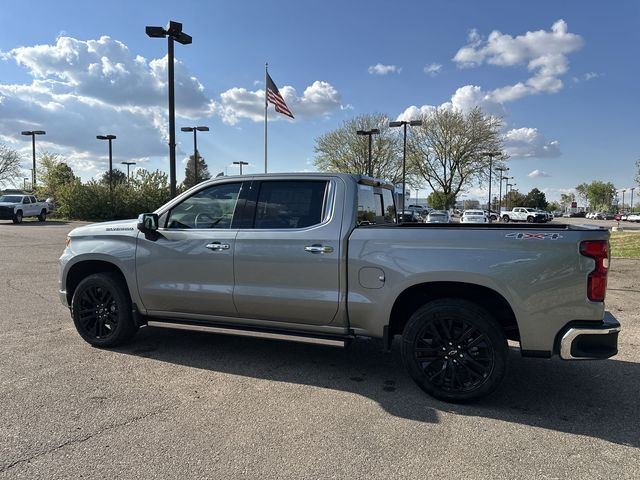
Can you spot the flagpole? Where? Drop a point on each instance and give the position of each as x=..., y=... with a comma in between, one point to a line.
x=266, y=66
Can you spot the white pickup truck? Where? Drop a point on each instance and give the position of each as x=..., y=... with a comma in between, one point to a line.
x=524, y=214
x=15, y=207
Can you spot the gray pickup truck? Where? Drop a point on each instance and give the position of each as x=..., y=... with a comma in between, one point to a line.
x=319, y=258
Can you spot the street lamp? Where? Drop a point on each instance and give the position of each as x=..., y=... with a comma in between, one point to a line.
x=491, y=154
x=195, y=131
x=33, y=134
x=623, y=191
x=241, y=163
x=403, y=124
x=632, y=198
x=128, y=164
x=24, y=183
x=373, y=131
x=501, y=170
x=109, y=138
x=173, y=31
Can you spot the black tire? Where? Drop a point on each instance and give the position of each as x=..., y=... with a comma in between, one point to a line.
x=505, y=218
x=17, y=217
x=530, y=219
x=101, y=310
x=43, y=216
x=454, y=350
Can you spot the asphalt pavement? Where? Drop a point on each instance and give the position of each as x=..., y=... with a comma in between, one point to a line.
x=187, y=405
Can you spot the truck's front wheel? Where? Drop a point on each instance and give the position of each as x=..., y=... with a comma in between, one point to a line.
x=505, y=218
x=17, y=217
x=43, y=215
x=454, y=350
x=101, y=310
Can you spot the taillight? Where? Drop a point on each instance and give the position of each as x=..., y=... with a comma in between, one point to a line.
x=597, y=280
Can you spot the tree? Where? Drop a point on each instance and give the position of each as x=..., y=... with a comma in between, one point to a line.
x=471, y=204
x=53, y=173
x=190, y=174
x=597, y=195
x=514, y=199
x=638, y=171
x=536, y=199
x=449, y=150
x=10, y=169
x=553, y=207
x=117, y=177
x=440, y=201
x=343, y=150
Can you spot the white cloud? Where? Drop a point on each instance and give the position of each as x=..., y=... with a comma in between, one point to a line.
x=538, y=173
x=380, y=69
x=318, y=100
x=543, y=52
x=433, y=69
x=529, y=143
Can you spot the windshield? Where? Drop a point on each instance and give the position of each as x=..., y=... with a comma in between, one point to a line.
x=11, y=198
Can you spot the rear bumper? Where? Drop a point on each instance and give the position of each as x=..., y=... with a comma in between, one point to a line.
x=588, y=341
x=63, y=298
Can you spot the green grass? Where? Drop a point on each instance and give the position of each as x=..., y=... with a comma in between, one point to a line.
x=625, y=244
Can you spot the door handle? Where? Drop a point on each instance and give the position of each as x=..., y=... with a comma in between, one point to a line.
x=315, y=248
x=217, y=246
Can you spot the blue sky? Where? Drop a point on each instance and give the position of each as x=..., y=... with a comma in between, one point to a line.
x=563, y=75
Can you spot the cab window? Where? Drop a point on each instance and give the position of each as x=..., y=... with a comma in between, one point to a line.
x=211, y=207
x=375, y=205
x=287, y=204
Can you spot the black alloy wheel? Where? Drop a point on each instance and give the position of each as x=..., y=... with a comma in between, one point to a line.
x=17, y=218
x=101, y=310
x=454, y=350
x=43, y=216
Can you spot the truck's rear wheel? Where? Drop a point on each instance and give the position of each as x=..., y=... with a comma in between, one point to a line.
x=43, y=215
x=530, y=219
x=101, y=310
x=454, y=350
x=17, y=217
x=505, y=218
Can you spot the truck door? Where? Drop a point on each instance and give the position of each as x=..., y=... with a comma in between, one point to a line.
x=188, y=267
x=288, y=253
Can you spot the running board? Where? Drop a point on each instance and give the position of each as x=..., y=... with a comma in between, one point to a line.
x=269, y=334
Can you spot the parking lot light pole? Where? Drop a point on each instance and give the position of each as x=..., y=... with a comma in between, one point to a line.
x=623, y=192
x=632, y=198
x=403, y=124
x=24, y=183
x=109, y=138
x=501, y=170
x=241, y=163
x=195, y=131
x=32, y=134
x=173, y=31
x=128, y=164
x=373, y=131
x=491, y=154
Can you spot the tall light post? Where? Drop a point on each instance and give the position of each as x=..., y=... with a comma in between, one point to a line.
x=24, y=183
x=195, y=131
x=110, y=138
x=173, y=31
x=491, y=154
x=128, y=164
x=632, y=198
x=370, y=133
x=241, y=163
x=623, y=192
x=403, y=124
x=501, y=170
x=32, y=134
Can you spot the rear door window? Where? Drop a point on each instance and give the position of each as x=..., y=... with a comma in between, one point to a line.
x=290, y=204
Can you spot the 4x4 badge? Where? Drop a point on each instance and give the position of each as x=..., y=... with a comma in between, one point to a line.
x=533, y=236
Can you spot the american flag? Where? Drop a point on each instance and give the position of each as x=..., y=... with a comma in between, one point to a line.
x=273, y=96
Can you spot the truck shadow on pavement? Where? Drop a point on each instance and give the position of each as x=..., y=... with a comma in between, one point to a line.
x=597, y=399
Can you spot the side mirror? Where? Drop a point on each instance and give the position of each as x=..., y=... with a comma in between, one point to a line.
x=148, y=222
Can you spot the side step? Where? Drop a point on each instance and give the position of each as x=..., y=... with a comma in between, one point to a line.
x=333, y=341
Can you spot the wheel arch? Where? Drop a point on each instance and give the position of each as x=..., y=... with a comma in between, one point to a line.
x=417, y=295
x=80, y=270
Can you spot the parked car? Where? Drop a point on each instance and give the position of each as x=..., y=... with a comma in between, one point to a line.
x=633, y=217
x=318, y=258
x=438, y=216
x=410, y=216
x=474, y=216
x=16, y=207
x=524, y=214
